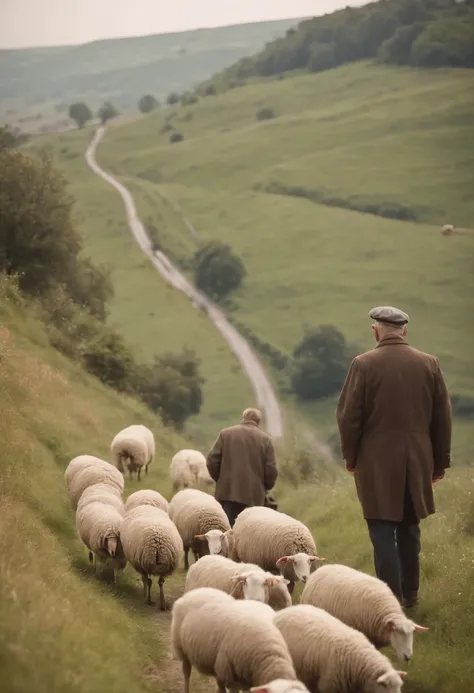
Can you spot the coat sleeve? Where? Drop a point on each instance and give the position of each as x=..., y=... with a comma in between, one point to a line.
x=441, y=423
x=350, y=412
x=214, y=459
x=270, y=468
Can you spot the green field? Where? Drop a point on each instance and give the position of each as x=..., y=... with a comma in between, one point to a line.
x=38, y=84
x=65, y=630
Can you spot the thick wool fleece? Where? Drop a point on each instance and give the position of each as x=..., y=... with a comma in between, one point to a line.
x=146, y=497
x=90, y=475
x=195, y=512
x=188, y=469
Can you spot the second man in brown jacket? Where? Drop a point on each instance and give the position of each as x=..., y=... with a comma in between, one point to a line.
x=242, y=463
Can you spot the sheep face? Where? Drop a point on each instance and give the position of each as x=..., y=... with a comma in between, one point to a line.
x=217, y=541
x=280, y=686
x=251, y=585
x=391, y=682
x=401, y=636
x=298, y=566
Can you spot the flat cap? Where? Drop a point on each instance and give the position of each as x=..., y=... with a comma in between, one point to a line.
x=389, y=314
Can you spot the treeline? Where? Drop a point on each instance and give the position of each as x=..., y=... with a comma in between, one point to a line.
x=422, y=33
x=41, y=249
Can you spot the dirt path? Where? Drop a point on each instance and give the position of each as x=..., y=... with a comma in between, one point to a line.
x=264, y=392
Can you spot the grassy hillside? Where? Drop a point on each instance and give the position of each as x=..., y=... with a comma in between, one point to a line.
x=121, y=69
x=360, y=137
x=65, y=630
x=154, y=317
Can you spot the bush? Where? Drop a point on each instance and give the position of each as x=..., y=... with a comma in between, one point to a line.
x=176, y=137
x=189, y=99
x=210, y=90
x=106, y=112
x=11, y=137
x=320, y=363
x=147, y=103
x=217, y=270
x=80, y=113
x=322, y=57
x=463, y=406
x=172, y=98
x=397, y=50
x=265, y=114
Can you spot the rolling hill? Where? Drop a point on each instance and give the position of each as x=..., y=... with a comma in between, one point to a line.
x=44, y=81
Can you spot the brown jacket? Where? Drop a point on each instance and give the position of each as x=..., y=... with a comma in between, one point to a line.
x=242, y=463
x=394, y=419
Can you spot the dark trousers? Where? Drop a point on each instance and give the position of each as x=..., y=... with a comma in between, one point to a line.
x=232, y=509
x=396, y=551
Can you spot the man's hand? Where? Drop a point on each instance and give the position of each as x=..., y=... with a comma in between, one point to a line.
x=350, y=468
x=436, y=478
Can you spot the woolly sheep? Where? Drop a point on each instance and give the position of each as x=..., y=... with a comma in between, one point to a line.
x=151, y=543
x=362, y=602
x=275, y=541
x=79, y=463
x=146, y=497
x=447, y=229
x=231, y=640
x=92, y=474
x=188, y=469
x=104, y=493
x=241, y=580
x=331, y=657
x=133, y=447
x=98, y=526
x=194, y=514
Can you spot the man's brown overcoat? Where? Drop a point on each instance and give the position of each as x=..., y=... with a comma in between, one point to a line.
x=242, y=463
x=394, y=419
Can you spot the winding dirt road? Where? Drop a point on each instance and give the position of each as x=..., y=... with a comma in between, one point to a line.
x=264, y=393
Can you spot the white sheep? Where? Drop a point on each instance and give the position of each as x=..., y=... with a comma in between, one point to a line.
x=146, y=497
x=235, y=641
x=331, y=657
x=79, y=463
x=241, y=580
x=152, y=545
x=188, y=469
x=275, y=541
x=133, y=447
x=447, y=230
x=85, y=476
x=362, y=602
x=195, y=513
x=98, y=526
x=105, y=493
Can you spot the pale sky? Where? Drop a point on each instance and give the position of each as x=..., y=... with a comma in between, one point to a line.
x=61, y=22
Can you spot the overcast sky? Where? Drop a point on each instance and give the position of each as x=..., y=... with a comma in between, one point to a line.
x=60, y=22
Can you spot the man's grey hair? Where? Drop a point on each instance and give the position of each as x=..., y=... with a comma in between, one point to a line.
x=252, y=414
x=389, y=327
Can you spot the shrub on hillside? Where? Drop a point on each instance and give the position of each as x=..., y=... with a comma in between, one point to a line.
x=11, y=137
x=80, y=113
x=320, y=363
x=188, y=99
x=147, y=103
x=217, y=270
x=265, y=114
x=463, y=406
x=106, y=112
x=172, y=98
x=210, y=90
x=322, y=57
x=176, y=137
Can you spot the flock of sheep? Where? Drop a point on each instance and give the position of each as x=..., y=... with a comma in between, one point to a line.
x=236, y=621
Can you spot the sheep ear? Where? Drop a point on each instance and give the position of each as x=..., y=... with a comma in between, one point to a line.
x=238, y=579
x=316, y=558
x=419, y=629
x=402, y=674
x=229, y=533
x=285, y=581
x=391, y=624
x=284, y=559
x=272, y=580
x=260, y=689
x=383, y=680
x=200, y=536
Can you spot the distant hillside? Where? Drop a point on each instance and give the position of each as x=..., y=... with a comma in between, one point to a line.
x=124, y=69
x=422, y=33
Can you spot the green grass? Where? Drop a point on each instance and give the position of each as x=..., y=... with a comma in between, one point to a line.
x=153, y=316
x=65, y=630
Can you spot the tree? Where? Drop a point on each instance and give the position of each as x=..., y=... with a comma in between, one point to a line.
x=106, y=112
x=217, y=270
x=397, y=50
x=80, y=113
x=173, y=98
x=322, y=57
x=172, y=387
x=147, y=103
x=11, y=137
x=320, y=363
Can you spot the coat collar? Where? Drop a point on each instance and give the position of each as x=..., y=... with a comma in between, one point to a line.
x=392, y=340
x=244, y=422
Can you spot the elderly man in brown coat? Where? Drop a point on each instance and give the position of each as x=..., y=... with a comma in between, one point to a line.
x=394, y=419
x=242, y=463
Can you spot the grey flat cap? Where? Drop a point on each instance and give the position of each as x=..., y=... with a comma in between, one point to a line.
x=389, y=314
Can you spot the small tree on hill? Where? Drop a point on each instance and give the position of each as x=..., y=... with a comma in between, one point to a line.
x=217, y=270
x=80, y=113
x=147, y=103
x=173, y=98
x=320, y=363
x=106, y=112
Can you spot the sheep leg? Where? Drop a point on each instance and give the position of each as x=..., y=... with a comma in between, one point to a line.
x=221, y=687
x=186, y=558
x=147, y=582
x=291, y=586
x=146, y=470
x=138, y=474
x=187, y=674
x=162, y=593
x=91, y=557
